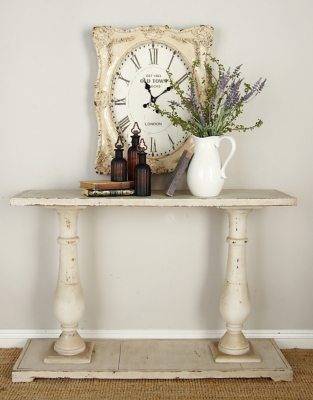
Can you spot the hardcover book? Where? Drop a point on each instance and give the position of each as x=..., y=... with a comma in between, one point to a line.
x=106, y=185
x=178, y=172
x=107, y=193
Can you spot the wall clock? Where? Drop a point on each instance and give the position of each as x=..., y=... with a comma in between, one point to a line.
x=132, y=74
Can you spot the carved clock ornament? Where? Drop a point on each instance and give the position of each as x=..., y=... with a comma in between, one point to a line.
x=132, y=73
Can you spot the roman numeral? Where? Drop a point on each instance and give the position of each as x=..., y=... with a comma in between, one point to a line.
x=120, y=102
x=153, y=148
x=135, y=61
x=153, y=55
x=182, y=79
x=124, y=123
x=171, y=142
x=123, y=79
x=169, y=65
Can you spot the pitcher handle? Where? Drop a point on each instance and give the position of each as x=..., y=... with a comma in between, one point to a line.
x=233, y=148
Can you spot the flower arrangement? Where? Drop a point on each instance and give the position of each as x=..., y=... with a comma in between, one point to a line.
x=220, y=103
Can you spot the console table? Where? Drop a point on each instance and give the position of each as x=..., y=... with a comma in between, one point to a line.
x=231, y=356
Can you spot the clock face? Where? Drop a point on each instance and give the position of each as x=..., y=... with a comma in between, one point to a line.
x=141, y=79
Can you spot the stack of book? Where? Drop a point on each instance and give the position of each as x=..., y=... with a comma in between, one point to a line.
x=107, y=188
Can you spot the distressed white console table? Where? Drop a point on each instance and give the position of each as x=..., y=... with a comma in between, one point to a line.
x=231, y=356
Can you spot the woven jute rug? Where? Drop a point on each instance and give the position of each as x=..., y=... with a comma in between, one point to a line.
x=301, y=387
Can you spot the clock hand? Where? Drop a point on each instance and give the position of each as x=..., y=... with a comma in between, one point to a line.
x=147, y=87
x=152, y=98
x=164, y=91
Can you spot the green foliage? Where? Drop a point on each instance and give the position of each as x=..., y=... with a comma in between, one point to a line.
x=213, y=105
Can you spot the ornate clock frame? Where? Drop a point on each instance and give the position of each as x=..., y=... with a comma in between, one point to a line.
x=111, y=45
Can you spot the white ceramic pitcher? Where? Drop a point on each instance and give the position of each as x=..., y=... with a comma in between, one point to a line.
x=206, y=174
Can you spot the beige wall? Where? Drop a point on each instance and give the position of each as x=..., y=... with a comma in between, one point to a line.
x=48, y=135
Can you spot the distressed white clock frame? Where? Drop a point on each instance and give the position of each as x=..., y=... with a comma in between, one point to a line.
x=111, y=45
x=233, y=348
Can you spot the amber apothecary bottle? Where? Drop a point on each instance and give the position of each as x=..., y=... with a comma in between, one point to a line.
x=119, y=164
x=142, y=172
x=132, y=154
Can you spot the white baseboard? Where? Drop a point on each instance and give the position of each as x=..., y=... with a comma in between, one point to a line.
x=285, y=339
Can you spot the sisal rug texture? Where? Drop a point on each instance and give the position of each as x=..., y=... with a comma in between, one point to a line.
x=301, y=388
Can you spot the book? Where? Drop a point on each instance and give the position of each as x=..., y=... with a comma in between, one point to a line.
x=106, y=185
x=107, y=193
x=178, y=172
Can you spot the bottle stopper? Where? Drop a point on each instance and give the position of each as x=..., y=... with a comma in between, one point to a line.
x=141, y=146
x=119, y=144
x=135, y=129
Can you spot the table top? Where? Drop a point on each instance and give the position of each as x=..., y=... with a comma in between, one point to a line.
x=227, y=198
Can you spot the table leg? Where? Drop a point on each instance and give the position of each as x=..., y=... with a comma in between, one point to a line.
x=69, y=304
x=235, y=298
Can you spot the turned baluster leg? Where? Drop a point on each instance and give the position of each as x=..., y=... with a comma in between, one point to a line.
x=69, y=304
x=235, y=299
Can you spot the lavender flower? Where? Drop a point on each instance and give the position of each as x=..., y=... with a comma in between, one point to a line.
x=202, y=120
x=236, y=70
x=233, y=96
x=193, y=99
x=261, y=86
x=256, y=89
x=175, y=104
x=222, y=85
x=224, y=81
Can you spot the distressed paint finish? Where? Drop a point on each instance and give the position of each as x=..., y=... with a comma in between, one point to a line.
x=235, y=298
x=111, y=44
x=227, y=198
x=152, y=359
x=235, y=301
x=69, y=304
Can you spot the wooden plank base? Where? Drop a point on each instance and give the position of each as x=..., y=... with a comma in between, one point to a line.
x=151, y=359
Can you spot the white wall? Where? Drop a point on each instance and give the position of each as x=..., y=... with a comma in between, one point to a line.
x=48, y=136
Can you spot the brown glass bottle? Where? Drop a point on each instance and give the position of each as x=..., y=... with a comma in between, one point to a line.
x=132, y=154
x=142, y=173
x=119, y=164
